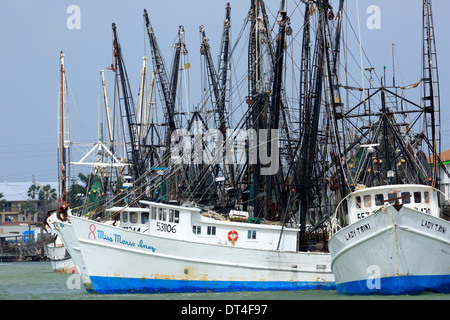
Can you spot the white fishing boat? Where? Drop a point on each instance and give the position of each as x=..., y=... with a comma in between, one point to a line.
x=70, y=242
x=60, y=259
x=392, y=241
x=388, y=233
x=57, y=252
x=64, y=252
x=167, y=248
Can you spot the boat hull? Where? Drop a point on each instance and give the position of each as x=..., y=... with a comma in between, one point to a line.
x=392, y=252
x=123, y=261
x=73, y=248
x=121, y=285
x=60, y=259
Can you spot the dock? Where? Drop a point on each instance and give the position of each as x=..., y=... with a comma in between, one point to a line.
x=15, y=247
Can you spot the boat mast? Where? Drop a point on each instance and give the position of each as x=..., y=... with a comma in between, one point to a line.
x=107, y=108
x=218, y=108
x=62, y=146
x=430, y=81
x=168, y=86
x=275, y=110
x=308, y=140
x=223, y=74
x=140, y=105
x=134, y=150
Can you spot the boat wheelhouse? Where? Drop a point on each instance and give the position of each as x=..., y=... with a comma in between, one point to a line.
x=365, y=201
x=190, y=224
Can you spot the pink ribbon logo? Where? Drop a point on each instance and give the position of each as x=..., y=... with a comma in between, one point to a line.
x=92, y=228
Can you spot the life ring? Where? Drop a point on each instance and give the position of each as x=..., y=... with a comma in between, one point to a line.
x=233, y=235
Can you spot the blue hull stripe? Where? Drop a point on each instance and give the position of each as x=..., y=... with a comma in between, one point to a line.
x=109, y=285
x=397, y=285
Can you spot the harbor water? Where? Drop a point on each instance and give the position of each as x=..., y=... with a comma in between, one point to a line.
x=37, y=281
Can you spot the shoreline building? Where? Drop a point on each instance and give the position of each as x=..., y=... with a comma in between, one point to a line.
x=18, y=207
x=444, y=178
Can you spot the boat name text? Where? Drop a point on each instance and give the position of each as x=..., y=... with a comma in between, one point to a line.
x=117, y=238
x=433, y=226
x=359, y=230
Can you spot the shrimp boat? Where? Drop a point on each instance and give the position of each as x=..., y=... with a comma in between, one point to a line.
x=365, y=163
x=394, y=242
x=168, y=248
x=57, y=252
x=63, y=252
x=388, y=233
x=71, y=244
x=237, y=228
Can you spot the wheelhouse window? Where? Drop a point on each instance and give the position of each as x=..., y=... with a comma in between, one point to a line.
x=133, y=217
x=153, y=213
x=251, y=234
x=144, y=217
x=124, y=216
x=358, y=202
x=426, y=196
x=379, y=199
x=367, y=200
x=174, y=216
x=197, y=229
x=406, y=197
x=417, y=197
x=211, y=231
x=392, y=196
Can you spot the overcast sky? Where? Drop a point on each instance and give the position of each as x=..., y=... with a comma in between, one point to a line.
x=32, y=34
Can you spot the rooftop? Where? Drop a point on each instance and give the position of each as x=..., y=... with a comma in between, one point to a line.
x=445, y=157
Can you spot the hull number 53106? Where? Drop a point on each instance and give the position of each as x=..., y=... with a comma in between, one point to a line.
x=166, y=227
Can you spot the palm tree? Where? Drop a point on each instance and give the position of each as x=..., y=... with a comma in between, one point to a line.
x=2, y=202
x=75, y=194
x=86, y=179
x=48, y=195
x=33, y=190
